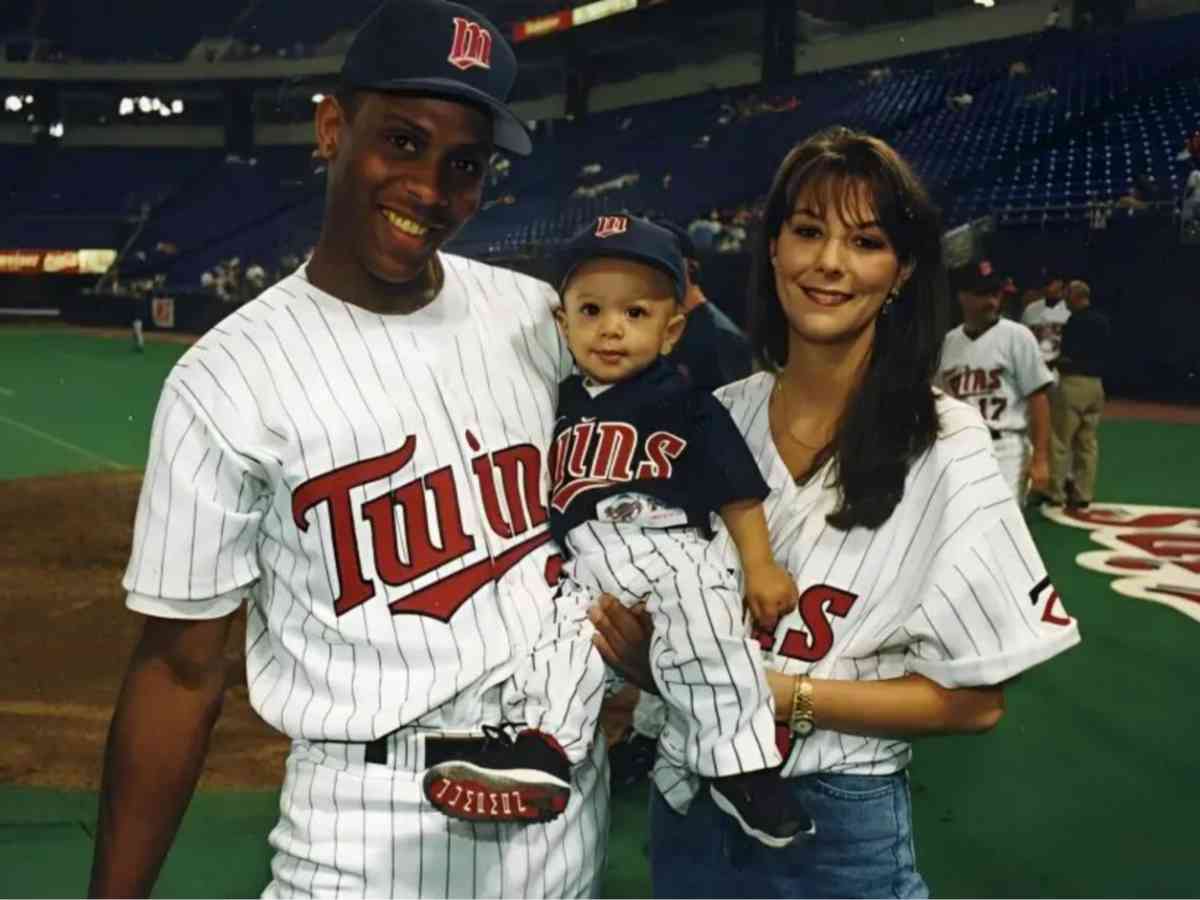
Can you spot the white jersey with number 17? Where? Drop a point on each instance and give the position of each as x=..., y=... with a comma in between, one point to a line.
x=995, y=372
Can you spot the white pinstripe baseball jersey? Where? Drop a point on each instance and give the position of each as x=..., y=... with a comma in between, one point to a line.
x=994, y=372
x=951, y=586
x=376, y=486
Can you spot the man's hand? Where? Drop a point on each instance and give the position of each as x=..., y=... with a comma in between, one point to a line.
x=770, y=593
x=623, y=639
x=1039, y=474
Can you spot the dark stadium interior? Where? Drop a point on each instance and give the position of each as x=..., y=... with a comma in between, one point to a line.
x=1045, y=151
x=1057, y=139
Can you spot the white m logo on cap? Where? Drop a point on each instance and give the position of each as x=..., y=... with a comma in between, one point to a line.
x=607, y=226
x=472, y=45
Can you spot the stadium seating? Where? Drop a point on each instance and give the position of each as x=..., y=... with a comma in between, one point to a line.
x=1093, y=112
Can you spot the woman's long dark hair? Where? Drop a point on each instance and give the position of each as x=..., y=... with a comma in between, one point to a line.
x=890, y=420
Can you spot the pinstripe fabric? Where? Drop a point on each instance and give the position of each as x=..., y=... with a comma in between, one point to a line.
x=947, y=587
x=297, y=384
x=374, y=487
x=704, y=664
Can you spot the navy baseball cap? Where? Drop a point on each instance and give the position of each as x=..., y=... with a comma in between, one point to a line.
x=686, y=244
x=439, y=49
x=627, y=237
x=979, y=277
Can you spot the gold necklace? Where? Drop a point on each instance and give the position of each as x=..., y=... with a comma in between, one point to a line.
x=789, y=429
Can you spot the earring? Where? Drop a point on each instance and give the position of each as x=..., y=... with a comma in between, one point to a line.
x=891, y=298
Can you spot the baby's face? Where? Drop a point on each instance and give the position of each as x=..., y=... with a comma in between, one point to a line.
x=618, y=316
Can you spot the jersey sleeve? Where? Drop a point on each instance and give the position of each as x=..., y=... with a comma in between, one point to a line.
x=989, y=611
x=724, y=468
x=196, y=532
x=1029, y=369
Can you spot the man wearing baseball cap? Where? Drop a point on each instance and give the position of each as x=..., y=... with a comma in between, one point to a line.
x=994, y=364
x=355, y=455
x=713, y=351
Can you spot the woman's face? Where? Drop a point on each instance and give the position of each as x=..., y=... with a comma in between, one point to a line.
x=832, y=276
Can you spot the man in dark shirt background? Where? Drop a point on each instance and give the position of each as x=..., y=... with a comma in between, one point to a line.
x=1078, y=403
x=713, y=351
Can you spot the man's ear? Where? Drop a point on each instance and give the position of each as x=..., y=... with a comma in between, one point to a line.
x=560, y=316
x=674, y=331
x=329, y=121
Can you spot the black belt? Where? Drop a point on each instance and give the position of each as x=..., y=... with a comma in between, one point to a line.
x=437, y=749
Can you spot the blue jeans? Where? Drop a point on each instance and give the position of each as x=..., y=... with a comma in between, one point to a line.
x=863, y=846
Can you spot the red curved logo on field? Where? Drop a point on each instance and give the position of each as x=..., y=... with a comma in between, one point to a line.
x=1153, y=552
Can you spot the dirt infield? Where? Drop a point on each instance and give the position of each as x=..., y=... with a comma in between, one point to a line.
x=64, y=543
x=1152, y=412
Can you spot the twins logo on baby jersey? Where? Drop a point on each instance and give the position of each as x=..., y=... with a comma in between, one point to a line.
x=1152, y=551
x=519, y=468
x=593, y=455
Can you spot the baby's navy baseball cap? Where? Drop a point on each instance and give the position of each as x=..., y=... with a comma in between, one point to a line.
x=627, y=237
x=686, y=244
x=439, y=49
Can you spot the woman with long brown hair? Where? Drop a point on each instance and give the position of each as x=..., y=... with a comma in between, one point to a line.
x=921, y=589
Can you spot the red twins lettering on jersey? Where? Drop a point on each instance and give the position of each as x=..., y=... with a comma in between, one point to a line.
x=607, y=226
x=519, y=470
x=967, y=382
x=592, y=455
x=817, y=608
x=472, y=45
x=1049, y=614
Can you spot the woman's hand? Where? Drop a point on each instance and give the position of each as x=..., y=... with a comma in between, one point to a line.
x=623, y=639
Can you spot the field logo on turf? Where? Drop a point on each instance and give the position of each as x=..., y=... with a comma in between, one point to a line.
x=1153, y=551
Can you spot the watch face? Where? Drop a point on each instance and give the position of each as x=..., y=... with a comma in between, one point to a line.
x=803, y=728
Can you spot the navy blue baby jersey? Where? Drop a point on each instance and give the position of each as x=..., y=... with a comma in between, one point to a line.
x=653, y=435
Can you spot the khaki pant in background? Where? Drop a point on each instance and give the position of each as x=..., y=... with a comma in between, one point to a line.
x=1075, y=410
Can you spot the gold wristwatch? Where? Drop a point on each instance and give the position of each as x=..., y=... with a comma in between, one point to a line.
x=801, y=721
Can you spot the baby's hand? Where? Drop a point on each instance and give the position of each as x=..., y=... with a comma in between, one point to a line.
x=771, y=593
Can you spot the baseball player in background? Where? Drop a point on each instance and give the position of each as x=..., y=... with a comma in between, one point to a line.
x=359, y=455
x=641, y=460
x=1189, y=207
x=1045, y=317
x=994, y=364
